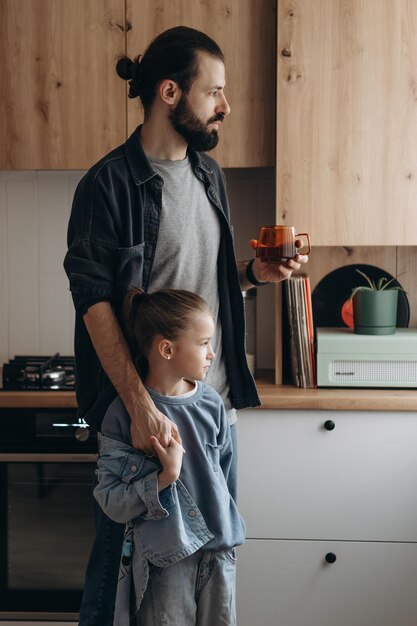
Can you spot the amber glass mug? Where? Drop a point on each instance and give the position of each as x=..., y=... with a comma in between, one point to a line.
x=276, y=244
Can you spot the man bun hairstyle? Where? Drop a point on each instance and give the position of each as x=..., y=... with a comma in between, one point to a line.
x=129, y=70
x=172, y=55
x=166, y=312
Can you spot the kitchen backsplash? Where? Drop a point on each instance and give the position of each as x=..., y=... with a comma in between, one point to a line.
x=36, y=315
x=36, y=312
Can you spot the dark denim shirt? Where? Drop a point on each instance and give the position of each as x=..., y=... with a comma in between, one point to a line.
x=112, y=235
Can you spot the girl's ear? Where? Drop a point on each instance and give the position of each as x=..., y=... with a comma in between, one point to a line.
x=165, y=349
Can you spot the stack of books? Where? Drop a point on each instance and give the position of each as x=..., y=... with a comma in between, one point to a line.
x=301, y=331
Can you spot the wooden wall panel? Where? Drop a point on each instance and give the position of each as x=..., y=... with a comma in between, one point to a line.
x=62, y=105
x=324, y=260
x=407, y=263
x=400, y=261
x=347, y=119
x=246, y=32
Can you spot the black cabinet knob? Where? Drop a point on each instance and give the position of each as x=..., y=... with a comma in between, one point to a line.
x=330, y=557
x=329, y=425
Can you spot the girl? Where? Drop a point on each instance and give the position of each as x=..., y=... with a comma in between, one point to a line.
x=182, y=524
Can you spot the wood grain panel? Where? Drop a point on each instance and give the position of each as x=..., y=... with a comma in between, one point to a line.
x=272, y=396
x=347, y=115
x=401, y=262
x=38, y=399
x=325, y=259
x=246, y=32
x=62, y=106
x=407, y=263
x=290, y=397
x=322, y=261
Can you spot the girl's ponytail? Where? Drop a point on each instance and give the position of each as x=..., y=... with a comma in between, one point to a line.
x=131, y=305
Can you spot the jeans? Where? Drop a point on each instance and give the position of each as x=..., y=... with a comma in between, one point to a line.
x=200, y=590
x=97, y=607
x=102, y=573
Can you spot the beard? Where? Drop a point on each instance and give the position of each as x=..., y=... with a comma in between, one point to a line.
x=192, y=129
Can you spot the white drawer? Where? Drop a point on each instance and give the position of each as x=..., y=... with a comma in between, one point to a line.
x=297, y=480
x=289, y=583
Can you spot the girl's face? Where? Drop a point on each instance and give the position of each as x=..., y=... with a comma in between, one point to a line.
x=192, y=352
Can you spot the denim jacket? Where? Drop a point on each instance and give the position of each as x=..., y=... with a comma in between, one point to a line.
x=112, y=237
x=128, y=488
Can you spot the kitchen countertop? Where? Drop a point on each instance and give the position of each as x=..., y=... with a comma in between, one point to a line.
x=289, y=397
x=333, y=399
x=37, y=399
x=272, y=396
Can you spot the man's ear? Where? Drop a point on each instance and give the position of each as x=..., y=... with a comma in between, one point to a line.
x=169, y=92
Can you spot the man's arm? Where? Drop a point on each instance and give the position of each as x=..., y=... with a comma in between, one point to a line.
x=113, y=352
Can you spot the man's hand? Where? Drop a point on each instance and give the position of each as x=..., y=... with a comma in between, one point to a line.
x=275, y=272
x=148, y=422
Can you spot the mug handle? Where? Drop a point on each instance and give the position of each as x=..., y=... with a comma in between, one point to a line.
x=308, y=240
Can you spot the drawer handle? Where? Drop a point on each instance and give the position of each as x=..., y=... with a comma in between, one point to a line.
x=329, y=425
x=330, y=557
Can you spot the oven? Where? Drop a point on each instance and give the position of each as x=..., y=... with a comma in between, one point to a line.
x=47, y=461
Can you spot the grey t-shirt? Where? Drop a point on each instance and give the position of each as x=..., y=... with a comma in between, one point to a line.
x=187, y=250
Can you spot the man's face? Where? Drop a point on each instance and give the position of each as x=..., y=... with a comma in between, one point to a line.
x=198, y=115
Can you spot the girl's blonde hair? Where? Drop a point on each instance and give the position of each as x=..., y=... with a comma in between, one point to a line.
x=166, y=312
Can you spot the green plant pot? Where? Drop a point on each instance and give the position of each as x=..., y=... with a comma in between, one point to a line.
x=375, y=312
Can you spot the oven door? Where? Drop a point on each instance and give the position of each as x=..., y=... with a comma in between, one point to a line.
x=46, y=533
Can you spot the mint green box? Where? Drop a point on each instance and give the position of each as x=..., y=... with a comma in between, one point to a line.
x=346, y=359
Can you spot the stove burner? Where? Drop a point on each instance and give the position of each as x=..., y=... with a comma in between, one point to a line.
x=39, y=372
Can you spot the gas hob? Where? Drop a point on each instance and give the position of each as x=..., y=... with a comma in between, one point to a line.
x=43, y=373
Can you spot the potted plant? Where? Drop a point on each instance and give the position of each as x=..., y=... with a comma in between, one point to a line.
x=375, y=306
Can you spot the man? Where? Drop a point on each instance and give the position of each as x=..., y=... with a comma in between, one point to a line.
x=154, y=213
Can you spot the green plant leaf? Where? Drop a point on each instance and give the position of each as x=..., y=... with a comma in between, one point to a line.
x=380, y=284
x=360, y=288
x=370, y=282
x=383, y=283
x=388, y=283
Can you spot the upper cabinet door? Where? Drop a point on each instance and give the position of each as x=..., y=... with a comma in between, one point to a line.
x=347, y=120
x=246, y=32
x=61, y=105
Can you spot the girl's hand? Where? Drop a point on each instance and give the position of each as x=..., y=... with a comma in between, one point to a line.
x=170, y=459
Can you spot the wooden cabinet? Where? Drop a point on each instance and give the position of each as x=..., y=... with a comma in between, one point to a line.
x=246, y=32
x=62, y=106
x=307, y=488
x=346, y=149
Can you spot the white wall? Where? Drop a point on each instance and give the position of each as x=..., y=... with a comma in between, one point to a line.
x=36, y=312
